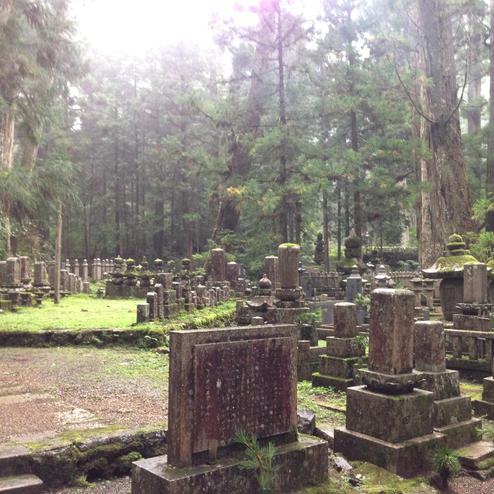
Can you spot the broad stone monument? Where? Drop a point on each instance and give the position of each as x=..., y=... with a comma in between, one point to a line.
x=451, y=412
x=388, y=420
x=449, y=268
x=223, y=381
x=343, y=351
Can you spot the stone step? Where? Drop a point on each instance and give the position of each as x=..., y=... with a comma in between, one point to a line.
x=21, y=484
x=14, y=460
x=477, y=455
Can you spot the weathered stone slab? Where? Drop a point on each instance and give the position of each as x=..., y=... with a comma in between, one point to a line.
x=337, y=366
x=218, y=265
x=223, y=380
x=391, y=331
x=430, y=350
x=451, y=411
x=288, y=257
x=344, y=347
x=475, y=283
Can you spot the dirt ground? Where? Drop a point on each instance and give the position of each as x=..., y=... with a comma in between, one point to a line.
x=44, y=391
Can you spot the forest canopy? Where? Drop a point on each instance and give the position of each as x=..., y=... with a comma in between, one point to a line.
x=374, y=116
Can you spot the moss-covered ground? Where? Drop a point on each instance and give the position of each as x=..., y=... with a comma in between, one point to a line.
x=84, y=311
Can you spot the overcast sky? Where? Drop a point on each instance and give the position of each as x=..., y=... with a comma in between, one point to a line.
x=134, y=26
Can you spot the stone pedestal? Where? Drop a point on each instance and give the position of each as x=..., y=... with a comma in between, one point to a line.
x=299, y=463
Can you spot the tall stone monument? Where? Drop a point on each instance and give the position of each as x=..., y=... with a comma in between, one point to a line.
x=388, y=420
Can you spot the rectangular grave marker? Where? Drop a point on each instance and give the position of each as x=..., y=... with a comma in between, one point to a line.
x=224, y=380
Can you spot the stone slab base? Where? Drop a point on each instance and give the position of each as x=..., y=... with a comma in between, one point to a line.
x=482, y=407
x=337, y=383
x=407, y=459
x=488, y=389
x=451, y=410
x=460, y=434
x=302, y=463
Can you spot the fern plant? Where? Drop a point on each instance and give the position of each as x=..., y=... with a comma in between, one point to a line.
x=259, y=458
x=445, y=462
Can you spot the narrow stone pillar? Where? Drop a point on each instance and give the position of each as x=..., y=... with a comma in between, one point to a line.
x=288, y=259
x=271, y=270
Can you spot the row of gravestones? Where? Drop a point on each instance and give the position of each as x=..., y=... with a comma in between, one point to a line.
x=17, y=270
x=169, y=297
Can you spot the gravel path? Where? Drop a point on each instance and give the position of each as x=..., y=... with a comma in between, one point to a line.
x=45, y=391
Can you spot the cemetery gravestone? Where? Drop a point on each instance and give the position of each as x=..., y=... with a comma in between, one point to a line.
x=451, y=412
x=223, y=381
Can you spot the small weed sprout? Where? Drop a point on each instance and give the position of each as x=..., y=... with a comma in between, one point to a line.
x=258, y=458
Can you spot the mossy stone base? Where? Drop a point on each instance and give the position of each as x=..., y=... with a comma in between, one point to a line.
x=407, y=459
x=301, y=463
x=461, y=434
x=338, y=383
x=337, y=366
x=392, y=418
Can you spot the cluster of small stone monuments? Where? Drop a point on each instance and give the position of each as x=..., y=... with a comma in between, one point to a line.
x=167, y=293
x=23, y=285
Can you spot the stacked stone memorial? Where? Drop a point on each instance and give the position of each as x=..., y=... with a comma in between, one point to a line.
x=223, y=381
x=449, y=268
x=289, y=303
x=451, y=412
x=344, y=353
x=388, y=420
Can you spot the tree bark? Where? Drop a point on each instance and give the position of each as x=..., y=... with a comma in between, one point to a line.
x=490, y=149
x=446, y=204
x=7, y=128
x=58, y=252
x=325, y=230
